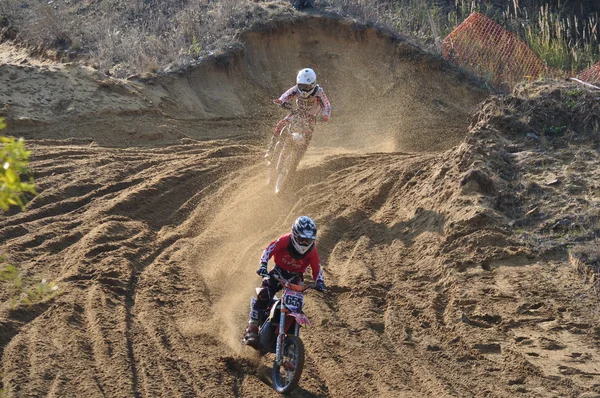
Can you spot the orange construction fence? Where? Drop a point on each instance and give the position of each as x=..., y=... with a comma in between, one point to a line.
x=591, y=75
x=490, y=51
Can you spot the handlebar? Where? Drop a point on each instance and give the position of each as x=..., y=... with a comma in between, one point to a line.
x=292, y=286
x=297, y=112
x=285, y=105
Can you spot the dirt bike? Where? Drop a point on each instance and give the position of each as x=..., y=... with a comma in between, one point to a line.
x=279, y=333
x=285, y=157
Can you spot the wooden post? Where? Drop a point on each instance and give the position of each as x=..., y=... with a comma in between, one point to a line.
x=434, y=30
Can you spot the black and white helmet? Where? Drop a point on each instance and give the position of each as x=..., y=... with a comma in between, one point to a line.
x=304, y=234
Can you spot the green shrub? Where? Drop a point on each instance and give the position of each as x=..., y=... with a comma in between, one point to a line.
x=24, y=290
x=13, y=164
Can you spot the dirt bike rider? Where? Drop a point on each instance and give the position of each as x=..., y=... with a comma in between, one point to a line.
x=292, y=253
x=311, y=102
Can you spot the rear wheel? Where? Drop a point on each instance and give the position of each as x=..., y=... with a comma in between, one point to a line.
x=286, y=374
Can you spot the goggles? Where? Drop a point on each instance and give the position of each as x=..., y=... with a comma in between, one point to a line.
x=304, y=241
x=306, y=87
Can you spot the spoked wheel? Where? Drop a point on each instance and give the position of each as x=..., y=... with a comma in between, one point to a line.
x=286, y=374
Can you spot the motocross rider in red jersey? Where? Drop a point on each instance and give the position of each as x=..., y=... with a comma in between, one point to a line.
x=293, y=253
x=311, y=102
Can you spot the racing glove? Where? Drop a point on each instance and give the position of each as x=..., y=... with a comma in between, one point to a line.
x=325, y=118
x=282, y=104
x=262, y=271
x=320, y=285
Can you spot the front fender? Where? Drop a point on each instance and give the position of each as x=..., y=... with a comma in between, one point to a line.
x=301, y=319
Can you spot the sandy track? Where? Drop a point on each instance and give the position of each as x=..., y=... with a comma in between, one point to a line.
x=157, y=310
x=151, y=220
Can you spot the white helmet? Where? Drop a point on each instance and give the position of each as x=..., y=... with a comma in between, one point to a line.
x=304, y=234
x=306, y=81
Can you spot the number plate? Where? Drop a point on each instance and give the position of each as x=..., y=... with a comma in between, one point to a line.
x=293, y=300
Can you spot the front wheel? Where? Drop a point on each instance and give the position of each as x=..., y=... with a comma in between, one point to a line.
x=286, y=374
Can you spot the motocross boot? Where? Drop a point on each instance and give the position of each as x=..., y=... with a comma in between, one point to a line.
x=251, y=331
x=251, y=335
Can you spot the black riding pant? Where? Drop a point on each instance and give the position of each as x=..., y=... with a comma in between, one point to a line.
x=270, y=286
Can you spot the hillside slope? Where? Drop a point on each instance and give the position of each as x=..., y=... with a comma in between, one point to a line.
x=456, y=255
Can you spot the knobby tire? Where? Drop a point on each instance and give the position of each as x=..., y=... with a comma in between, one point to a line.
x=293, y=343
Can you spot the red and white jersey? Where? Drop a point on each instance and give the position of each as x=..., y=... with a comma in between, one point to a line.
x=315, y=105
x=279, y=250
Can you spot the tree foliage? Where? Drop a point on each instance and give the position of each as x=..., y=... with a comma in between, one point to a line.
x=14, y=159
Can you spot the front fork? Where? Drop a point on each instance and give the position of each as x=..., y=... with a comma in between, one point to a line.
x=281, y=337
x=284, y=145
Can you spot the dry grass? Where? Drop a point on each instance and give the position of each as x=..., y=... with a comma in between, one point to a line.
x=566, y=42
x=138, y=36
x=122, y=38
